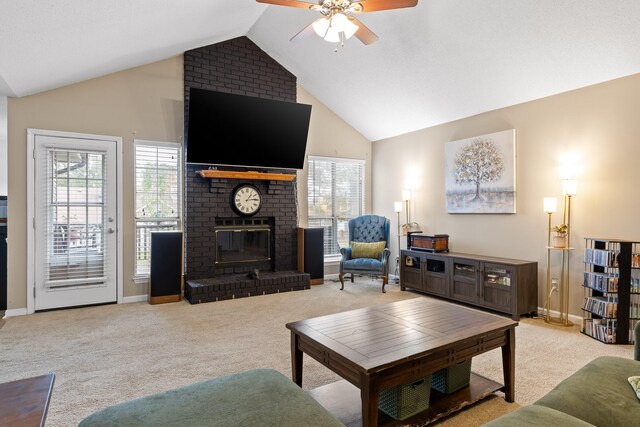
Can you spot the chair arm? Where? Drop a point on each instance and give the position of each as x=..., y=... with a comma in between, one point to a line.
x=346, y=253
x=384, y=257
x=636, y=342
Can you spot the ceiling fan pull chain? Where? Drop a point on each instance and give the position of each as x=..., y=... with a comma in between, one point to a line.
x=340, y=43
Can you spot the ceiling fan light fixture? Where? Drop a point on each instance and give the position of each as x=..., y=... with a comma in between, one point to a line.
x=331, y=28
x=339, y=21
x=333, y=35
x=350, y=28
x=320, y=26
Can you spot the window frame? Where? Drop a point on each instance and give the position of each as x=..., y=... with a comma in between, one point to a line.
x=142, y=277
x=334, y=218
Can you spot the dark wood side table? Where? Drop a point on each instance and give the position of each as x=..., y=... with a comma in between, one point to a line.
x=24, y=403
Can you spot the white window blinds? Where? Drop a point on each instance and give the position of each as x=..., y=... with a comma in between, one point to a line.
x=74, y=211
x=158, y=195
x=335, y=195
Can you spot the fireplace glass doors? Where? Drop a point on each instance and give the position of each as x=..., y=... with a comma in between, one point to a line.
x=237, y=244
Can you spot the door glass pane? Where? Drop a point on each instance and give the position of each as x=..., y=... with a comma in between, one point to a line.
x=75, y=215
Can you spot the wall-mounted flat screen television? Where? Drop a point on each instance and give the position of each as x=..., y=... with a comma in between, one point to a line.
x=237, y=130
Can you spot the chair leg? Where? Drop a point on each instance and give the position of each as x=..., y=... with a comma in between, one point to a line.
x=341, y=277
x=351, y=277
x=385, y=280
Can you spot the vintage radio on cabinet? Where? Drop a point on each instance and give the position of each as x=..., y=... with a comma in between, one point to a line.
x=435, y=243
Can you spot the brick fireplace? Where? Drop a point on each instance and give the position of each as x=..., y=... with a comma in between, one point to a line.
x=238, y=66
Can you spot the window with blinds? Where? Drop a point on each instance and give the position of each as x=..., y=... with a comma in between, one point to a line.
x=335, y=195
x=158, y=195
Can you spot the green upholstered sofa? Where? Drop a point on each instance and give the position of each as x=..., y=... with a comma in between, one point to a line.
x=598, y=394
x=261, y=397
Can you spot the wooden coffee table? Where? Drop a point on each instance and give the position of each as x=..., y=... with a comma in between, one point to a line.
x=379, y=347
x=24, y=403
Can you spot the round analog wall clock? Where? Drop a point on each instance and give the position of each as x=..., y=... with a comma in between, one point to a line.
x=246, y=200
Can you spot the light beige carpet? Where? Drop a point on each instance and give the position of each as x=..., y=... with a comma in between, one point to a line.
x=108, y=354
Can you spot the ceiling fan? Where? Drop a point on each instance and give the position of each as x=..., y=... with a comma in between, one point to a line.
x=338, y=23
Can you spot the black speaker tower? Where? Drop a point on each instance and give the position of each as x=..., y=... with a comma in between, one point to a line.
x=165, y=279
x=311, y=253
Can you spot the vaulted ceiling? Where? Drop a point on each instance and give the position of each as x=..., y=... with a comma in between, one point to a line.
x=439, y=61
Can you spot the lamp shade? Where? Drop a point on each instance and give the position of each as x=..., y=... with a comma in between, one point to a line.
x=333, y=35
x=350, y=28
x=320, y=26
x=406, y=195
x=550, y=204
x=397, y=206
x=339, y=21
x=569, y=187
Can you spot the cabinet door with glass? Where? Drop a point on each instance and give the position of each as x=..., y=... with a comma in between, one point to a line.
x=465, y=274
x=435, y=275
x=411, y=267
x=497, y=280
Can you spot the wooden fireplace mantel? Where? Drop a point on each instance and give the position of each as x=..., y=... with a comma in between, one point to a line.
x=213, y=173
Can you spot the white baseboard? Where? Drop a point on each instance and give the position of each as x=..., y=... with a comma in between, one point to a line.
x=15, y=312
x=576, y=320
x=135, y=298
x=23, y=311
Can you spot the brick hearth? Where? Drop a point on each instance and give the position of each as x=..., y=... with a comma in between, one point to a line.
x=238, y=286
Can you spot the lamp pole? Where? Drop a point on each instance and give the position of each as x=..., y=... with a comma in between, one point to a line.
x=397, y=207
x=550, y=206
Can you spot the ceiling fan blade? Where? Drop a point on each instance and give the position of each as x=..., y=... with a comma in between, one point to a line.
x=303, y=34
x=364, y=34
x=290, y=3
x=373, y=5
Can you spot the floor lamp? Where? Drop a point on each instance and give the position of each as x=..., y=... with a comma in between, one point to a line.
x=568, y=190
x=397, y=207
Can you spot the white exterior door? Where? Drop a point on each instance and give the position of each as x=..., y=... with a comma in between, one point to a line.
x=75, y=221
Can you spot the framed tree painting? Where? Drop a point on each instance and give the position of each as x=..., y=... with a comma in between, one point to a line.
x=481, y=174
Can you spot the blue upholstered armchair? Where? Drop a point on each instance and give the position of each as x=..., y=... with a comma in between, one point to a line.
x=368, y=255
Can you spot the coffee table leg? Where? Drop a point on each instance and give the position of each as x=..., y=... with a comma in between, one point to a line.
x=296, y=360
x=509, y=365
x=369, y=398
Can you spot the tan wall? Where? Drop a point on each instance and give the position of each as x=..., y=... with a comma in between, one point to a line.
x=598, y=126
x=141, y=103
x=3, y=145
x=331, y=136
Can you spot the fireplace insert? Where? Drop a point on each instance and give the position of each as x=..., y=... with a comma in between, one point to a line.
x=237, y=244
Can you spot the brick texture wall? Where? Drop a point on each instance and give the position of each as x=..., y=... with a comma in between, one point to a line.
x=236, y=66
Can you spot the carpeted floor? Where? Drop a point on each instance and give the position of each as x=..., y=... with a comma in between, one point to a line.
x=108, y=354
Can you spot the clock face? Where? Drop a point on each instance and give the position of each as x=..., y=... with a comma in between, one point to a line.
x=246, y=200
